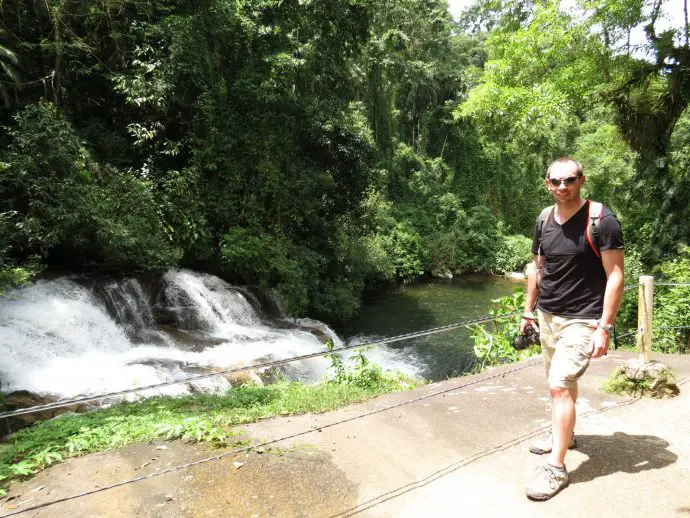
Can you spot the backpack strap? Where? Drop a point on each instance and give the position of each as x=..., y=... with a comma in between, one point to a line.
x=593, y=232
x=543, y=218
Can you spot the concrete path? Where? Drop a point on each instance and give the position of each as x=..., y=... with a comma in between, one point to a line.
x=455, y=448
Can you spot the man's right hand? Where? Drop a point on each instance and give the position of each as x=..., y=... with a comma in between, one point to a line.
x=528, y=322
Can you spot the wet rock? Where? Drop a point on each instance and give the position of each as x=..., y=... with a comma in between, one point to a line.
x=442, y=273
x=237, y=379
x=180, y=317
x=25, y=399
x=318, y=333
x=270, y=375
x=303, y=325
x=163, y=316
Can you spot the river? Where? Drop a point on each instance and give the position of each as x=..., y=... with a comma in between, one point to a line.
x=426, y=305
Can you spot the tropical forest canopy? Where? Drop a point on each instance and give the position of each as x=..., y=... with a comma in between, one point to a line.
x=319, y=147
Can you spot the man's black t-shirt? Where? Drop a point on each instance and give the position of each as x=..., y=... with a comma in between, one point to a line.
x=574, y=279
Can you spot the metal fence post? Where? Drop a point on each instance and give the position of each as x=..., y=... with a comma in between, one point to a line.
x=644, y=318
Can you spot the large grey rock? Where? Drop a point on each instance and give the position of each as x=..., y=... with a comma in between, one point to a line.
x=637, y=370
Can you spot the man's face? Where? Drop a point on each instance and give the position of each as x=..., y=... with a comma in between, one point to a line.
x=563, y=182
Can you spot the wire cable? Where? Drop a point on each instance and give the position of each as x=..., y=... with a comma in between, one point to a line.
x=660, y=328
x=656, y=283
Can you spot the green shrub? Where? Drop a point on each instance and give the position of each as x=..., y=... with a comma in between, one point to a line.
x=364, y=374
x=514, y=254
x=494, y=341
x=269, y=261
x=671, y=315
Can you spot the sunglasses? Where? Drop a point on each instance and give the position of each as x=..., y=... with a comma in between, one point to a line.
x=556, y=182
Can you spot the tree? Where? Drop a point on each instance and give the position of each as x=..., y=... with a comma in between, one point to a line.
x=649, y=97
x=8, y=62
x=536, y=87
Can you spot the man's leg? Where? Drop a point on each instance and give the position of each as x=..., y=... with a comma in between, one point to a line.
x=563, y=422
x=568, y=363
x=549, y=335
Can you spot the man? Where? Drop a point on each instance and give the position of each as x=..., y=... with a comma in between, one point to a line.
x=579, y=290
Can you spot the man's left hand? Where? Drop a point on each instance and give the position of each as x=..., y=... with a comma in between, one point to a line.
x=600, y=342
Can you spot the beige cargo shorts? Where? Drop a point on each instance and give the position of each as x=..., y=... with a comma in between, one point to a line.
x=566, y=346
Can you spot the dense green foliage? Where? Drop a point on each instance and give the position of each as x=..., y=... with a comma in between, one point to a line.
x=314, y=148
x=560, y=82
x=33, y=449
x=670, y=322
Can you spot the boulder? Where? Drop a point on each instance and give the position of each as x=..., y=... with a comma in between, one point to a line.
x=25, y=399
x=637, y=370
x=237, y=379
x=442, y=273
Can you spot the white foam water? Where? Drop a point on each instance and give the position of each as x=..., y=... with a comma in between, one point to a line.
x=57, y=338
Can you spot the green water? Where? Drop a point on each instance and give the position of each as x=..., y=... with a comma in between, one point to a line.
x=423, y=306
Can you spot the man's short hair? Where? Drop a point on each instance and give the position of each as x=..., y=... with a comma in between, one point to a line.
x=565, y=160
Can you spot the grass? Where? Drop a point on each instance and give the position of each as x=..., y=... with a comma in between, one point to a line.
x=197, y=417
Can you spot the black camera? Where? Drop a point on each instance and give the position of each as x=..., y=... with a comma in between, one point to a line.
x=523, y=341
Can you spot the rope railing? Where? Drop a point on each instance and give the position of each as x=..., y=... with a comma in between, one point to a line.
x=660, y=283
x=275, y=363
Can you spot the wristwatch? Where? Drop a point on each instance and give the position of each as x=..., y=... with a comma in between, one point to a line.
x=607, y=327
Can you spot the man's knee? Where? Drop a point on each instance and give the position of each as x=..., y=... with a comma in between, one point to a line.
x=560, y=392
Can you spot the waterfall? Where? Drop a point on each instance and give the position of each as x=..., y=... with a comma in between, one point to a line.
x=64, y=339
x=128, y=303
x=202, y=301
x=54, y=336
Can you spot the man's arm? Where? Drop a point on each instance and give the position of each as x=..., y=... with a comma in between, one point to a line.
x=531, y=297
x=613, y=266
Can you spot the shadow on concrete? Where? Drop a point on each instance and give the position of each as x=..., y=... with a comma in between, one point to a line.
x=620, y=452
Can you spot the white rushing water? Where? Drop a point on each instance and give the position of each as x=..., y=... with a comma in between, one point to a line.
x=58, y=337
